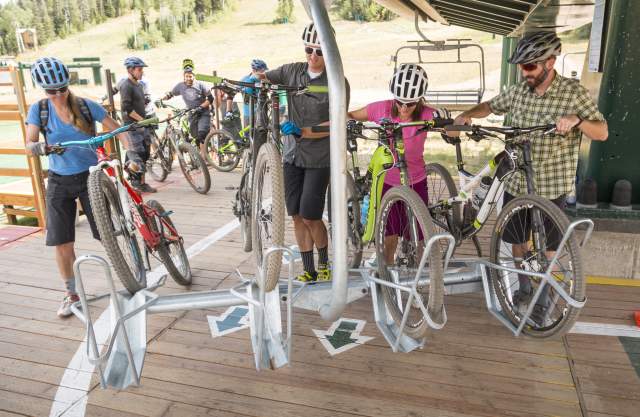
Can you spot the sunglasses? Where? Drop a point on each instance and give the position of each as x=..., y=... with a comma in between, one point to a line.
x=530, y=66
x=54, y=91
x=400, y=104
x=309, y=50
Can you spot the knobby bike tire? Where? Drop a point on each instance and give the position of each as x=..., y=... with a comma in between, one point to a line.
x=197, y=163
x=182, y=277
x=435, y=170
x=157, y=165
x=434, y=264
x=578, y=287
x=105, y=201
x=354, y=228
x=269, y=222
x=244, y=196
x=232, y=158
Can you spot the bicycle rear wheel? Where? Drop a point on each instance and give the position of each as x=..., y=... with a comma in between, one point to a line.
x=194, y=168
x=222, y=152
x=118, y=240
x=440, y=186
x=552, y=315
x=354, y=228
x=268, y=213
x=404, y=215
x=171, y=247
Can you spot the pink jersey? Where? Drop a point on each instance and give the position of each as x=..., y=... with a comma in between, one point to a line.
x=413, y=142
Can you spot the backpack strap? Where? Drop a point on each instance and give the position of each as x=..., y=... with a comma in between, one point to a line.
x=43, y=106
x=86, y=114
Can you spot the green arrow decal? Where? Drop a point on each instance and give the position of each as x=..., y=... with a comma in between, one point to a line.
x=343, y=335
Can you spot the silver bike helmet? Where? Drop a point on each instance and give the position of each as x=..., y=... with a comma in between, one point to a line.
x=409, y=83
x=536, y=47
x=50, y=72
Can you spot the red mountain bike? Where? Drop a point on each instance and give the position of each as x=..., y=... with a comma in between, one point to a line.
x=120, y=211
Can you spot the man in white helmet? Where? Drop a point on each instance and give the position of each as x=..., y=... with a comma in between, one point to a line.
x=544, y=97
x=306, y=154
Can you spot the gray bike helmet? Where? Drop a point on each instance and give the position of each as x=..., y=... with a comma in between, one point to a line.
x=50, y=72
x=134, y=62
x=536, y=47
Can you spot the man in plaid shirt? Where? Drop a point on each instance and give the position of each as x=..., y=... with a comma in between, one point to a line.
x=544, y=97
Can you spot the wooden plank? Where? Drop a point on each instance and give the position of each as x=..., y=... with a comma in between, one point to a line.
x=10, y=116
x=19, y=212
x=24, y=404
x=17, y=199
x=8, y=107
x=617, y=406
x=13, y=151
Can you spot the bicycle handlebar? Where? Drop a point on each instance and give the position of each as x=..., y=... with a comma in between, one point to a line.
x=479, y=130
x=263, y=84
x=58, y=148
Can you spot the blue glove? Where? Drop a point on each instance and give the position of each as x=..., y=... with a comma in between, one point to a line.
x=290, y=128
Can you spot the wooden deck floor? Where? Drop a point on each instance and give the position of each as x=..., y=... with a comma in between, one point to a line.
x=473, y=367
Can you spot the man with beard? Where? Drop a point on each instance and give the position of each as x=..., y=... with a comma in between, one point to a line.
x=544, y=97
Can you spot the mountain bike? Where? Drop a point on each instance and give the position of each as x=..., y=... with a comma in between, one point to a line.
x=224, y=150
x=161, y=156
x=120, y=212
x=176, y=141
x=530, y=224
x=399, y=245
x=263, y=203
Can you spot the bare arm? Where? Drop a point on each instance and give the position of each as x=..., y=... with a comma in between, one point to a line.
x=360, y=115
x=308, y=134
x=109, y=124
x=33, y=135
x=594, y=129
x=477, y=112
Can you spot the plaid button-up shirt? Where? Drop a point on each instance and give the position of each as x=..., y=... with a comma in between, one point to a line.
x=554, y=157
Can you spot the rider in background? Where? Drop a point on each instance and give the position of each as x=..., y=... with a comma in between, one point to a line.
x=132, y=106
x=258, y=67
x=195, y=96
x=544, y=97
x=408, y=87
x=68, y=118
x=306, y=154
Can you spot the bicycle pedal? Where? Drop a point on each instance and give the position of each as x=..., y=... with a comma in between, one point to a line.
x=231, y=188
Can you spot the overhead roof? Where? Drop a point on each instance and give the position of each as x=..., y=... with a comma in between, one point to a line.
x=502, y=17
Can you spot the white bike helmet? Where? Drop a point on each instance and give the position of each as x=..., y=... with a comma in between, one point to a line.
x=536, y=47
x=409, y=83
x=310, y=36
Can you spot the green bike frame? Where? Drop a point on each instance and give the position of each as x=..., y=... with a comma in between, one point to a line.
x=380, y=162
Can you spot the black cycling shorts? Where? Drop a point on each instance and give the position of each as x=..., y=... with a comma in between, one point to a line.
x=518, y=230
x=62, y=192
x=305, y=191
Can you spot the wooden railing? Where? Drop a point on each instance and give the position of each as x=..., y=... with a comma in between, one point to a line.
x=34, y=201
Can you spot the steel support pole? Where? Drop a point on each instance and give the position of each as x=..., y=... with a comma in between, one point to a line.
x=338, y=117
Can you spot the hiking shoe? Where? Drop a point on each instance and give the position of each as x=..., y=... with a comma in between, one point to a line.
x=65, y=308
x=307, y=277
x=146, y=188
x=324, y=273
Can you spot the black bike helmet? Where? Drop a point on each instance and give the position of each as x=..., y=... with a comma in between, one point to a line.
x=536, y=47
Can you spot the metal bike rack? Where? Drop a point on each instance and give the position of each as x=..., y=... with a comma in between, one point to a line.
x=120, y=365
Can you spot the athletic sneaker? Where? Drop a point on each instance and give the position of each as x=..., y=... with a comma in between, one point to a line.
x=146, y=188
x=324, y=273
x=307, y=277
x=65, y=307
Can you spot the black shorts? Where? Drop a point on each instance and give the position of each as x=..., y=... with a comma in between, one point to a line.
x=518, y=229
x=62, y=192
x=305, y=191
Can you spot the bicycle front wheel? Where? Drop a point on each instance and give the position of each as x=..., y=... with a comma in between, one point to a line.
x=194, y=168
x=243, y=203
x=171, y=248
x=222, y=152
x=118, y=240
x=157, y=165
x=402, y=230
x=527, y=236
x=268, y=213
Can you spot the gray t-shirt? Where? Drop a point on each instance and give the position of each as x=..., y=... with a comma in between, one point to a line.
x=131, y=98
x=193, y=96
x=305, y=110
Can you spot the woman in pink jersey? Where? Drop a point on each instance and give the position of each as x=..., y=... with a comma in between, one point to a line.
x=408, y=86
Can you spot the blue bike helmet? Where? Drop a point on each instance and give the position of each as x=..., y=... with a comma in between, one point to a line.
x=258, y=65
x=134, y=62
x=49, y=72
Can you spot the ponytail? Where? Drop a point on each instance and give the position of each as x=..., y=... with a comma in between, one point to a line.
x=77, y=119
